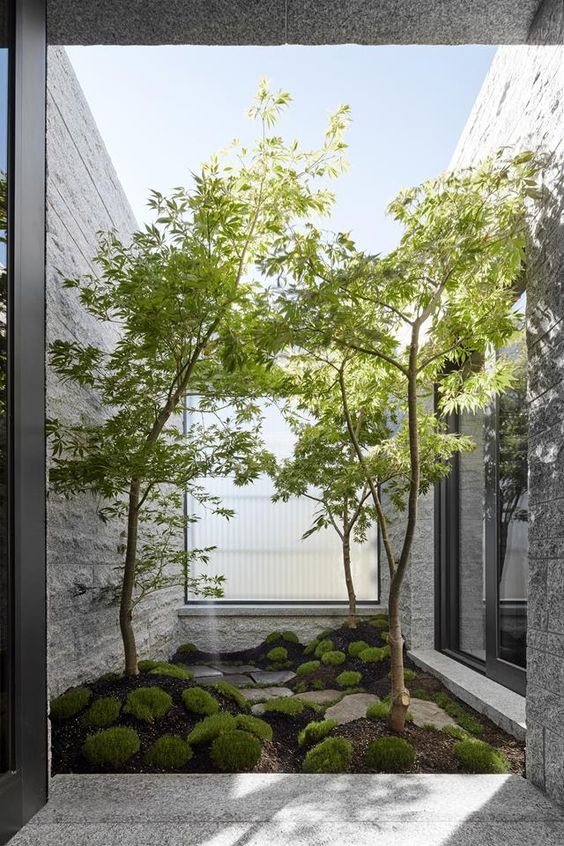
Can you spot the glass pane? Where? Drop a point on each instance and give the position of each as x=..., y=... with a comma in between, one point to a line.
x=513, y=512
x=4, y=561
x=471, y=540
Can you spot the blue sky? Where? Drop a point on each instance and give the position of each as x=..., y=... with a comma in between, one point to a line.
x=163, y=110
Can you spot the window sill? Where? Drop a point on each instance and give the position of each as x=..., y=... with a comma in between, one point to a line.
x=279, y=610
x=502, y=706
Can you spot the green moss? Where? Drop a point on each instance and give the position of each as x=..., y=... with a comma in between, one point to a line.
x=106, y=678
x=390, y=755
x=175, y=671
x=457, y=713
x=301, y=687
x=379, y=623
x=333, y=658
x=456, y=732
x=323, y=646
x=146, y=665
x=318, y=684
x=70, y=704
x=419, y=693
x=169, y=752
x=408, y=675
x=148, y=703
x=290, y=637
x=232, y=693
x=476, y=756
x=254, y=725
x=311, y=647
x=315, y=731
x=111, y=747
x=102, y=712
x=211, y=727
x=187, y=647
x=378, y=711
x=291, y=706
x=235, y=751
x=278, y=654
x=273, y=637
x=356, y=647
x=308, y=667
x=349, y=678
x=199, y=701
x=332, y=755
x=372, y=655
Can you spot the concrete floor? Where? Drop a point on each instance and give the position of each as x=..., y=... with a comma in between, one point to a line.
x=271, y=810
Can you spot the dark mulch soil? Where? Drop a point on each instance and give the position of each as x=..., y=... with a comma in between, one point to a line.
x=434, y=749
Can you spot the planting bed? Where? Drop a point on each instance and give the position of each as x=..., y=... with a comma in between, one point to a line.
x=444, y=736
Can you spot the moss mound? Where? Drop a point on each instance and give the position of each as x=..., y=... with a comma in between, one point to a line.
x=235, y=751
x=390, y=755
x=70, y=704
x=187, y=648
x=148, y=703
x=332, y=755
x=175, y=671
x=199, y=701
x=373, y=654
x=211, y=727
x=254, y=725
x=456, y=732
x=277, y=655
x=273, y=637
x=291, y=706
x=356, y=647
x=315, y=731
x=111, y=747
x=308, y=667
x=290, y=637
x=379, y=622
x=169, y=752
x=333, y=657
x=349, y=678
x=378, y=711
x=102, y=712
x=323, y=646
x=476, y=756
x=232, y=693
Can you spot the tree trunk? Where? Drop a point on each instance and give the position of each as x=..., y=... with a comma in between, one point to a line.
x=400, y=695
x=352, y=621
x=128, y=583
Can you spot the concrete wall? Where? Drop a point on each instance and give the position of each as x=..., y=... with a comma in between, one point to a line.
x=522, y=104
x=83, y=196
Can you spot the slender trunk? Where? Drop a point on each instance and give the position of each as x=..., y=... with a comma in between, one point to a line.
x=400, y=695
x=352, y=621
x=128, y=583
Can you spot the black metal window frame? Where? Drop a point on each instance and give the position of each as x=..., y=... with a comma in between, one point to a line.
x=447, y=561
x=23, y=789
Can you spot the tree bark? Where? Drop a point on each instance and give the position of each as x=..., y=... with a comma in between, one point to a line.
x=400, y=695
x=128, y=583
x=352, y=621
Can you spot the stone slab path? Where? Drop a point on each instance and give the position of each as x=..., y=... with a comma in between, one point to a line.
x=320, y=696
x=351, y=707
x=303, y=810
x=263, y=694
x=428, y=713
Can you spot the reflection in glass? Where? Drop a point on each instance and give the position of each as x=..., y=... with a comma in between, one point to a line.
x=4, y=559
x=471, y=540
x=513, y=512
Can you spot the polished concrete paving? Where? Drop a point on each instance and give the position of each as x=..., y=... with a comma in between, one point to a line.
x=301, y=810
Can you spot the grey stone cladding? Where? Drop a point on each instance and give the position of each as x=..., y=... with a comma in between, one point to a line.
x=522, y=105
x=84, y=196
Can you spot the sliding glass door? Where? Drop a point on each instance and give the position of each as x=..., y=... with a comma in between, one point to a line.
x=482, y=526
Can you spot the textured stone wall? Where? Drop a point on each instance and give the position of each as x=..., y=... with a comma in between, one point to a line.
x=522, y=104
x=243, y=628
x=83, y=196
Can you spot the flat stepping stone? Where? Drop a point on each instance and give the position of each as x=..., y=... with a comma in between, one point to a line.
x=273, y=676
x=320, y=696
x=352, y=707
x=264, y=694
x=429, y=714
x=232, y=670
x=235, y=680
x=199, y=670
